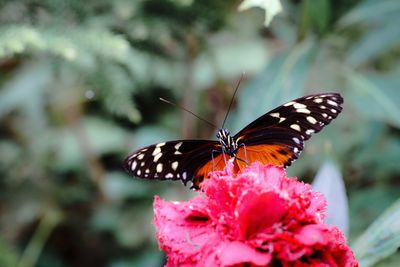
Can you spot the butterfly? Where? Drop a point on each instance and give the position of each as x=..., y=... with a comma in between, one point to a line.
x=277, y=138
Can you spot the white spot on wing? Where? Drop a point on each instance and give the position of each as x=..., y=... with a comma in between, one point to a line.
x=138, y=173
x=141, y=156
x=332, y=103
x=318, y=100
x=178, y=145
x=333, y=110
x=299, y=105
x=156, y=151
x=275, y=115
x=303, y=110
x=169, y=176
x=160, y=144
x=174, y=165
x=133, y=166
x=311, y=120
x=159, y=167
x=289, y=103
x=296, y=140
x=324, y=115
x=310, y=131
x=295, y=127
x=157, y=157
x=184, y=175
x=281, y=119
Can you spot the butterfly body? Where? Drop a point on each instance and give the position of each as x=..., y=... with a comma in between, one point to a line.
x=276, y=138
x=229, y=144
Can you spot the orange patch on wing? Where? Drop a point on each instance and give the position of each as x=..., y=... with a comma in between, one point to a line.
x=216, y=164
x=277, y=155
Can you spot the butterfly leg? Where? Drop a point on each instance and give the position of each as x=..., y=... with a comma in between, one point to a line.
x=245, y=154
x=223, y=154
x=245, y=151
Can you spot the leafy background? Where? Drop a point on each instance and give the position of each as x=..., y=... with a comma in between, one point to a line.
x=79, y=89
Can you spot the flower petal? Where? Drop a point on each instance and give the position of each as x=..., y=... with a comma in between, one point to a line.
x=257, y=216
x=236, y=253
x=258, y=212
x=182, y=229
x=313, y=234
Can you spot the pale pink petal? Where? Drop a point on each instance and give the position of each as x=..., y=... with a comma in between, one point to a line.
x=236, y=252
x=182, y=227
x=313, y=234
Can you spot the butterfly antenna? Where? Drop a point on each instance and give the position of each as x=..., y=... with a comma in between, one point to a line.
x=176, y=105
x=233, y=98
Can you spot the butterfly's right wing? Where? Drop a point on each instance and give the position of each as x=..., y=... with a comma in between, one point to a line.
x=186, y=160
x=278, y=136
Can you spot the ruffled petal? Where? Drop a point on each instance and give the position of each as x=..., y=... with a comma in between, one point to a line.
x=258, y=212
x=236, y=252
x=253, y=217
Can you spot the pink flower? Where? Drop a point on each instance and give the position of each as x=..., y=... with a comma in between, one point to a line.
x=257, y=217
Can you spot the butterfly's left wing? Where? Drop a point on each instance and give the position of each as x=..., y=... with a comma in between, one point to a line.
x=186, y=160
x=278, y=136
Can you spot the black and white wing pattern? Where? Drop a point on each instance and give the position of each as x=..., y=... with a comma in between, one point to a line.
x=275, y=138
x=278, y=136
x=173, y=160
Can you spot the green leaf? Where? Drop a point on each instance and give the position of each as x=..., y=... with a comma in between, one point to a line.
x=381, y=239
x=26, y=86
x=118, y=186
x=48, y=222
x=116, y=88
x=376, y=156
x=147, y=259
x=367, y=204
x=391, y=261
x=134, y=218
x=8, y=256
x=227, y=62
x=368, y=11
x=314, y=14
x=79, y=45
x=101, y=137
x=375, y=42
x=374, y=97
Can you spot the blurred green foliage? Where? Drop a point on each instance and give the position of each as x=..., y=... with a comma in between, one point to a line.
x=80, y=82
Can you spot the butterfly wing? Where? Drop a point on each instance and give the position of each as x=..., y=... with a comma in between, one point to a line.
x=278, y=136
x=184, y=160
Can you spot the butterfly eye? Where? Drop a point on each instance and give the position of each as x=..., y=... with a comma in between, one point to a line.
x=227, y=132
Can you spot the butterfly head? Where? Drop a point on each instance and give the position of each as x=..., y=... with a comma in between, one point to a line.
x=223, y=134
x=228, y=143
